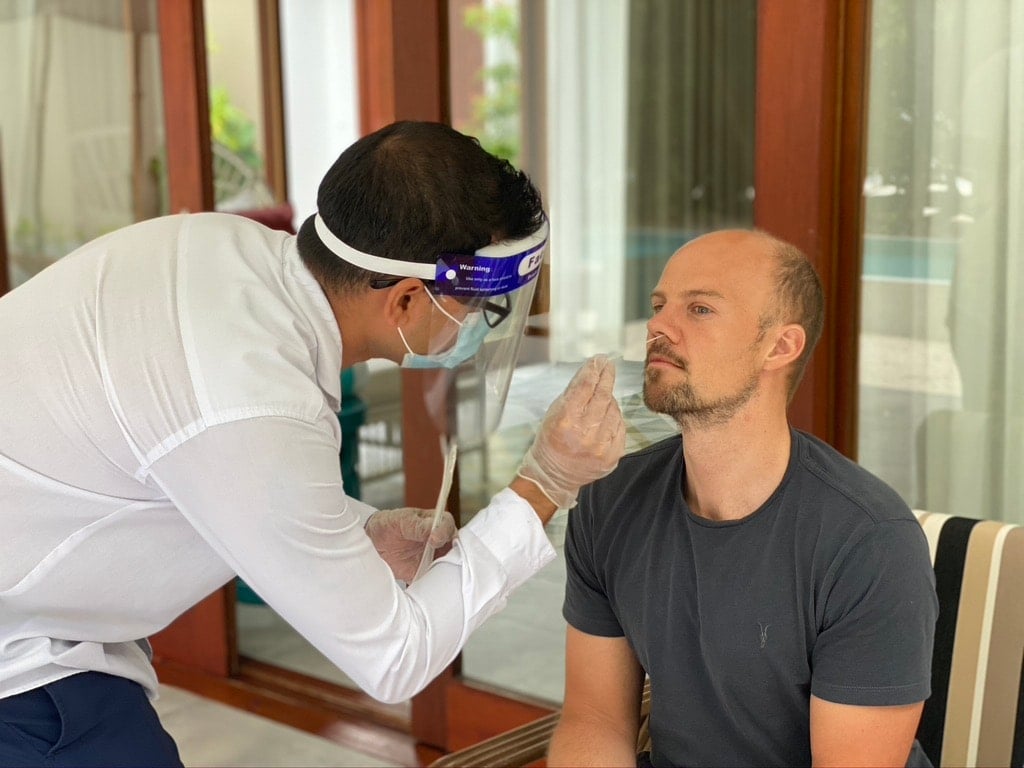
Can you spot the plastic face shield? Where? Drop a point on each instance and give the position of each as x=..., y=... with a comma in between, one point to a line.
x=481, y=304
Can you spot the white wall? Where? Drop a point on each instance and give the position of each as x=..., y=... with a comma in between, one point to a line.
x=321, y=99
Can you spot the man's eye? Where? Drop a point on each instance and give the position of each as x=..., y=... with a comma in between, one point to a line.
x=700, y=309
x=655, y=308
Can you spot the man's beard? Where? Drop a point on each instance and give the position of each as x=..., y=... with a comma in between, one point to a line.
x=683, y=404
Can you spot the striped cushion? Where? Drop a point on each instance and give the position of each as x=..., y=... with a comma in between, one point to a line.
x=975, y=715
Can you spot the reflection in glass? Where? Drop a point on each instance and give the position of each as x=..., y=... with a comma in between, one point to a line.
x=370, y=413
x=83, y=145
x=641, y=139
x=942, y=352
x=236, y=106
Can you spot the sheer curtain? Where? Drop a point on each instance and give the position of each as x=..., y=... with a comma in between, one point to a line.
x=942, y=363
x=81, y=120
x=647, y=131
x=321, y=112
x=977, y=465
x=650, y=142
x=586, y=149
x=691, y=125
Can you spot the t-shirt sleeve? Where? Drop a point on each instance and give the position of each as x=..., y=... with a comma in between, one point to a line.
x=878, y=620
x=586, y=607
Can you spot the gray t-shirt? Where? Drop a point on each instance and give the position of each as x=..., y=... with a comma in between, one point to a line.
x=827, y=589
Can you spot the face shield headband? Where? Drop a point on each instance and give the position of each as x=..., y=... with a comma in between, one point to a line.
x=495, y=285
x=494, y=270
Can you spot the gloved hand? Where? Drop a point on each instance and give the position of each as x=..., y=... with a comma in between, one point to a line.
x=581, y=438
x=399, y=536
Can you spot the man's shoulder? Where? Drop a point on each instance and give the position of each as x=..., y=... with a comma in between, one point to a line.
x=639, y=475
x=848, y=488
x=644, y=464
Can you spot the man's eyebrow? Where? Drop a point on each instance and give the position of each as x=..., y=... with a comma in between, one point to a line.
x=693, y=293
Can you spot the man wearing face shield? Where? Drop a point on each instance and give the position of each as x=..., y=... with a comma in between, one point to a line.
x=168, y=422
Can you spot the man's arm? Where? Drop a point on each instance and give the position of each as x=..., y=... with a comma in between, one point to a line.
x=875, y=653
x=846, y=735
x=532, y=495
x=601, y=713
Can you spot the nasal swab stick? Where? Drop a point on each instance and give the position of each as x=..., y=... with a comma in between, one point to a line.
x=450, y=448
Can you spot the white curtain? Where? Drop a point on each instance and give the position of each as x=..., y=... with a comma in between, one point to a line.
x=586, y=149
x=80, y=122
x=974, y=455
x=318, y=65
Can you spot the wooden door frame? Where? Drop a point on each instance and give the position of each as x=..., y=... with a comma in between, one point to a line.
x=202, y=638
x=808, y=169
x=403, y=75
x=809, y=159
x=274, y=155
x=808, y=174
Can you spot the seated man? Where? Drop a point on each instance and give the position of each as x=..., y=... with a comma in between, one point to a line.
x=780, y=597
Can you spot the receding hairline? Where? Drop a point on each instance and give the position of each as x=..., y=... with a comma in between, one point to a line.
x=774, y=243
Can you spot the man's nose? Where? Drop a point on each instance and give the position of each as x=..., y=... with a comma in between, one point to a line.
x=656, y=328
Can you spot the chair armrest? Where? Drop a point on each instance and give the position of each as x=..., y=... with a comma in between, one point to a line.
x=529, y=743
x=512, y=749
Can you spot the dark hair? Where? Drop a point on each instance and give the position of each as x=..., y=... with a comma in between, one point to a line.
x=410, y=191
x=799, y=299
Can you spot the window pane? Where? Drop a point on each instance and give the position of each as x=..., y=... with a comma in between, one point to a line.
x=83, y=146
x=942, y=335
x=636, y=118
x=236, y=106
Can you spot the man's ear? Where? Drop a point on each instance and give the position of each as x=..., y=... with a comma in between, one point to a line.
x=789, y=345
x=404, y=302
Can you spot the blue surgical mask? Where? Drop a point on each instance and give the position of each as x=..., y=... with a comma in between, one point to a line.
x=472, y=331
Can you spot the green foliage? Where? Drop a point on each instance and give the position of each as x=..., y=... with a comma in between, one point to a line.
x=232, y=128
x=496, y=112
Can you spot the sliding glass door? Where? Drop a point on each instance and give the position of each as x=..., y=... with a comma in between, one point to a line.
x=941, y=378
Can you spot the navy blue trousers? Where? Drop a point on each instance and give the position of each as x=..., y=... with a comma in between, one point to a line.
x=88, y=719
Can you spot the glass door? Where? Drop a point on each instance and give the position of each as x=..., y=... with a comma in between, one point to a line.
x=639, y=122
x=82, y=146
x=636, y=119
x=941, y=380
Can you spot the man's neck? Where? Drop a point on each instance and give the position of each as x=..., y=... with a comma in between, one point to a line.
x=733, y=468
x=354, y=312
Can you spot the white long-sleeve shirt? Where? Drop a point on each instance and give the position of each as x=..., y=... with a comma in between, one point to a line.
x=167, y=420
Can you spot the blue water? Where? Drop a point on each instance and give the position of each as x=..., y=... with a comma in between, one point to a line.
x=892, y=258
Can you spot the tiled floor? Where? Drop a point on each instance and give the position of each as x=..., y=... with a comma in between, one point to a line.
x=213, y=734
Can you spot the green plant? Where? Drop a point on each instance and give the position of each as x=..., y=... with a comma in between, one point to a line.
x=496, y=113
x=233, y=129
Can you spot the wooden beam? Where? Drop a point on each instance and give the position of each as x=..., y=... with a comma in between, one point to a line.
x=852, y=161
x=808, y=165
x=186, y=105
x=269, y=23
x=403, y=61
x=204, y=636
x=403, y=75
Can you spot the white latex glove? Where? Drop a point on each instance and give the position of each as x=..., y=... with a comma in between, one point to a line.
x=581, y=438
x=399, y=536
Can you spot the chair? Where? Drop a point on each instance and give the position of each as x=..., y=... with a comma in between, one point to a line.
x=528, y=743
x=975, y=716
